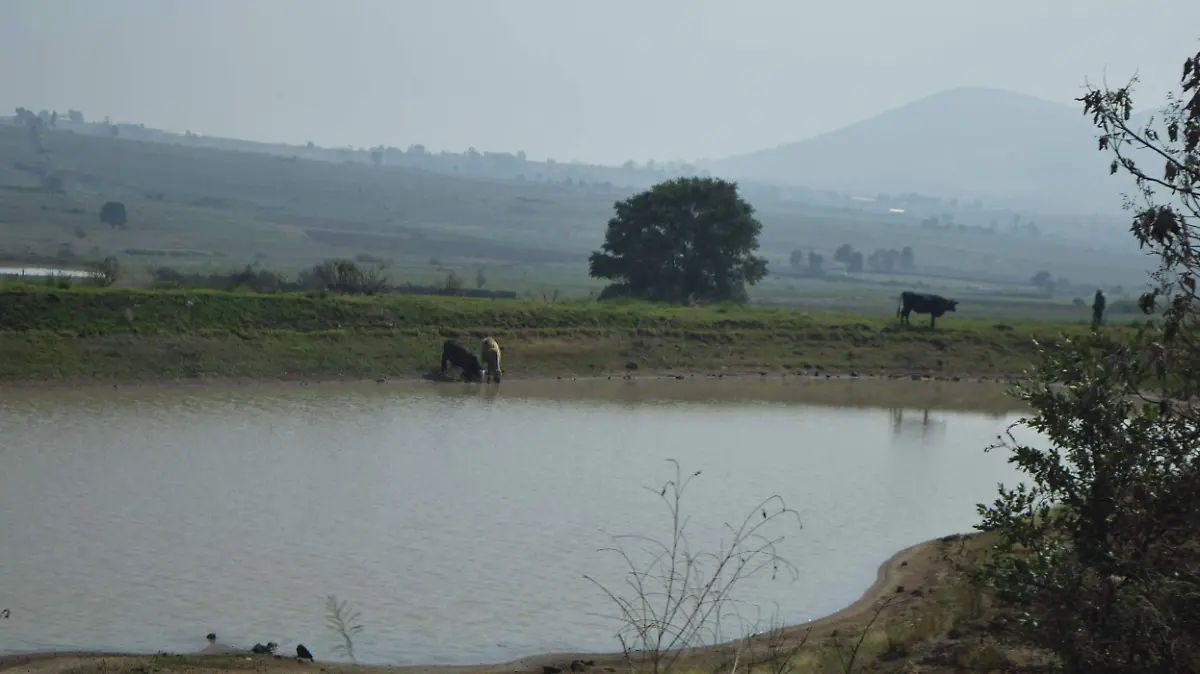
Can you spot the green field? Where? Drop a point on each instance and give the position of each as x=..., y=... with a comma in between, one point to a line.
x=117, y=334
x=197, y=208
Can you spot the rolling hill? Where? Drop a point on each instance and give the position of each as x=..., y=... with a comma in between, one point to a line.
x=203, y=209
x=969, y=142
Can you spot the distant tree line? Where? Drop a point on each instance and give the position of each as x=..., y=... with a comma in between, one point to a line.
x=1049, y=286
x=880, y=261
x=338, y=276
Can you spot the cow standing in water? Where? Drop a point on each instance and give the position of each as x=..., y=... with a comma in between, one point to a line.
x=491, y=358
x=922, y=303
x=455, y=354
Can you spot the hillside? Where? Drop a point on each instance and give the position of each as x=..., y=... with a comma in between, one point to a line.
x=970, y=142
x=235, y=207
x=203, y=209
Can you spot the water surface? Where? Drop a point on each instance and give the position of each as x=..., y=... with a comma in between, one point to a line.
x=459, y=519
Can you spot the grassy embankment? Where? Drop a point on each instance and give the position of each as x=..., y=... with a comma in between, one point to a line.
x=89, y=333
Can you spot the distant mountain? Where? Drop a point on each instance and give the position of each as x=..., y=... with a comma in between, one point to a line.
x=969, y=142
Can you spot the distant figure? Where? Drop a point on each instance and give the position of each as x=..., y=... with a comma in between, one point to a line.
x=1098, y=305
x=458, y=356
x=922, y=303
x=269, y=649
x=303, y=653
x=491, y=358
x=212, y=636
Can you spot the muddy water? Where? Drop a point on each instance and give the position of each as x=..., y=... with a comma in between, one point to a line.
x=458, y=519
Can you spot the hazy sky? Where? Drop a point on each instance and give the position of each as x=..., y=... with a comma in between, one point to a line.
x=600, y=81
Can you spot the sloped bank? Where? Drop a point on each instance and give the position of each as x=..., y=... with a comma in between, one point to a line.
x=125, y=335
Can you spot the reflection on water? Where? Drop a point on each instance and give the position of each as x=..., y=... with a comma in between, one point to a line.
x=919, y=423
x=460, y=519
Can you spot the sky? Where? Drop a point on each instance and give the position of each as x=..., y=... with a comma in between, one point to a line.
x=599, y=82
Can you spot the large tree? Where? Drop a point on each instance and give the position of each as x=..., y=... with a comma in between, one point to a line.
x=681, y=240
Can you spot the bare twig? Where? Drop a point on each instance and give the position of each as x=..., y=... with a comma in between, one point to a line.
x=678, y=598
x=848, y=659
x=344, y=622
x=780, y=649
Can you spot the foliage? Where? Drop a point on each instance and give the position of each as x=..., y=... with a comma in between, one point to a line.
x=1044, y=282
x=884, y=260
x=58, y=282
x=364, y=276
x=1166, y=202
x=113, y=214
x=344, y=622
x=678, y=597
x=1098, y=561
x=811, y=265
x=816, y=264
x=345, y=276
x=681, y=240
x=852, y=259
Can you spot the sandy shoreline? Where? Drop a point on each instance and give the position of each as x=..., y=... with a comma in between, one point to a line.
x=904, y=573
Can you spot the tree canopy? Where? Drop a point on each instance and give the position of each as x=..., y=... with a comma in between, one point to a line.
x=682, y=240
x=113, y=214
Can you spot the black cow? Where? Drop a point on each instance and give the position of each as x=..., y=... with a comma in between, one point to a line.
x=457, y=355
x=923, y=303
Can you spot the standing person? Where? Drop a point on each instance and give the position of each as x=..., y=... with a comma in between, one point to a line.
x=1098, y=308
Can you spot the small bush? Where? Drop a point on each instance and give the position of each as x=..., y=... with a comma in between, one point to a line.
x=58, y=282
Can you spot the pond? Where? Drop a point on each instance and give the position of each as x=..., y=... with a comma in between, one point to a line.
x=459, y=519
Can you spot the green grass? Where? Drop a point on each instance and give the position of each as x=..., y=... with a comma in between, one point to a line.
x=82, y=332
x=204, y=209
